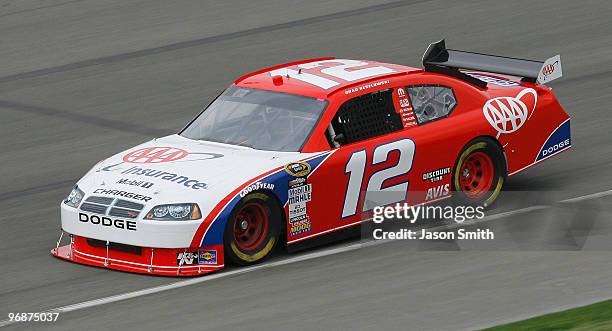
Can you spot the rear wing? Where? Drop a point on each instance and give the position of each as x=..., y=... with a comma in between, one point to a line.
x=438, y=58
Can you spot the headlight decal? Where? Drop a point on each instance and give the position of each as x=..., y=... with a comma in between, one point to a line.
x=74, y=198
x=175, y=212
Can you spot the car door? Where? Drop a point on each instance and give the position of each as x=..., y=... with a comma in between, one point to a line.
x=369, y=165
x=385, y=150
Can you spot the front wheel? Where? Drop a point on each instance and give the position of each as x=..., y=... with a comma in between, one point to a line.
x=253, y=229
x=479, y=173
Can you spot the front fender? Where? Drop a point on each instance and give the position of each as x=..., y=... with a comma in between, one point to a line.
x=276, y=181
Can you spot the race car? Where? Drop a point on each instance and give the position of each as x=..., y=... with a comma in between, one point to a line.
x=298, y=153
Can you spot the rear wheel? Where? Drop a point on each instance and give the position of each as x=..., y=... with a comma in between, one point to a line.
x=253, y=229
x=479, y=173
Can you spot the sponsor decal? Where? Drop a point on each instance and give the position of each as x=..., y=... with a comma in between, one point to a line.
x=298, y=169
x=401, y=92
x=559, y=140
x=436, y=175
x=166, y=154
x=297, y=182
x=437, y=192
x=551, y=70
x=186, y=258
x=124, y=194
x=108, y=222
x=140, y=183
x=407, y=116
x=207, y=256
x=297, y=211
x=155, y=155
x=301, y=226
x=508, y=114
x=495, y=80
x=404, y=108
x=163, y=175
x=366, y=86
x=301, y=193
x=255, y=187
x=202, y=256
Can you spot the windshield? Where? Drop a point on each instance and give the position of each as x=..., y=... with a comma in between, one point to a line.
x=259, y=119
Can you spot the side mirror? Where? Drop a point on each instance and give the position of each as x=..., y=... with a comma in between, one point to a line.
x=340, y=139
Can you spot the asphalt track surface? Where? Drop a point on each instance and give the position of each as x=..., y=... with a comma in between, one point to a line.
x=81, y=80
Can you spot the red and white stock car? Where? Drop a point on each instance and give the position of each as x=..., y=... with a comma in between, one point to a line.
x=290, y=154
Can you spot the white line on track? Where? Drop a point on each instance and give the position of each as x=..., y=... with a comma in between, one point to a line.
x=298, y=258
x=588, y=197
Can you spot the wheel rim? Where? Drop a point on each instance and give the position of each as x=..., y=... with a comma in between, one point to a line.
x=477, y=173
x=250, y=226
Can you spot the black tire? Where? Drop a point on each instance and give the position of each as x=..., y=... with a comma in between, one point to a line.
x=240, y=247
x=485, y=160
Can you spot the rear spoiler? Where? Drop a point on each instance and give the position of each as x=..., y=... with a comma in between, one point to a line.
x=438, y=58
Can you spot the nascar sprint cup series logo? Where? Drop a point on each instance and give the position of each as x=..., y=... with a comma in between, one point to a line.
x=508, y=114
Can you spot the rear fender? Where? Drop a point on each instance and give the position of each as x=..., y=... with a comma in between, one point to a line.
x=545, y=129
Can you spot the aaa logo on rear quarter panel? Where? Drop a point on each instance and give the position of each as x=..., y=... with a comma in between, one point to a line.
x=508, y=114
x=155, y=155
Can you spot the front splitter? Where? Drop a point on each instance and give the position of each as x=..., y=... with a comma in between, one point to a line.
x=152, y=261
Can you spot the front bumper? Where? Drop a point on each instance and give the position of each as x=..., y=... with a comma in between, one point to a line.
x=145, y=260
x=147, y=233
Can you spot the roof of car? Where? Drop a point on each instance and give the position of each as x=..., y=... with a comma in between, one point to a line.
x=320, y=77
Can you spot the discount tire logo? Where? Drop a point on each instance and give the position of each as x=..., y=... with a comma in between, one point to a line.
x=508, y=114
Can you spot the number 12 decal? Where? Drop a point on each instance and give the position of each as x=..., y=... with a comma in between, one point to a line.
x=356, y=168
x=338, y=71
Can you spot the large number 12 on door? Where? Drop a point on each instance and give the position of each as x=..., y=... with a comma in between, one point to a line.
x=356, y=165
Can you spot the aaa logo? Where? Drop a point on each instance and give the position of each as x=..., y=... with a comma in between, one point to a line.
x=155, y=155
x=508, y=114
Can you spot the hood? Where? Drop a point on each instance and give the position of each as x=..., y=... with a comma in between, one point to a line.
x=175, y=169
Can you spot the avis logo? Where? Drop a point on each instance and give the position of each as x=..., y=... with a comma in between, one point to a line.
x=155, y=155
x=437, y=192
x=508, y=114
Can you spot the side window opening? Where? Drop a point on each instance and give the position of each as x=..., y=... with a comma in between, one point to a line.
x=431, y=102
x=364, y=117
